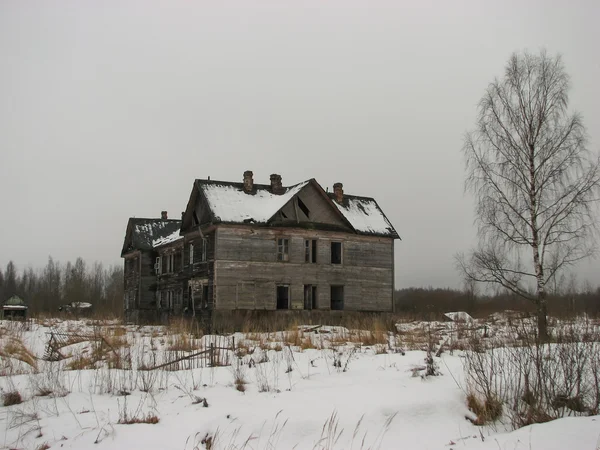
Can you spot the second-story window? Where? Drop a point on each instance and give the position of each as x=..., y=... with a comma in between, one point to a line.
x=204, y=249
x=191, y=254
x=283, y=248
x=168, y=263
x=310, y=250
x=336, y=253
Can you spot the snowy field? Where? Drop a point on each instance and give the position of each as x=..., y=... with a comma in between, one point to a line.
x=325, y=388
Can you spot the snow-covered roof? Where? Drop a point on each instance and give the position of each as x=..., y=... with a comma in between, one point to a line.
x=14, y=307
x=365, y=216
x=230, y=203
x=174, y=236
x=80, y=305
x=15, y=302
x=142, y=233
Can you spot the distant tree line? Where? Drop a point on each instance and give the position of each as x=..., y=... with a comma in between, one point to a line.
x=45, y=290
x=432, y=303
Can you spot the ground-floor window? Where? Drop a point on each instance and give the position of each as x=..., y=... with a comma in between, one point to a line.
x=310, y=296
x=205, y=295
x=170, y=299
x=283, y=297
x=337, y=297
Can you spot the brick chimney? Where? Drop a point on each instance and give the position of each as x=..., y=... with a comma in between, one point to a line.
x=163, y=215
x=338, y=191
x=276, y=187
x=248, y=181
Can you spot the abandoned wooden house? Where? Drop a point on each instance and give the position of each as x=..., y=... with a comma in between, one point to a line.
x=248, y=246
x=141, y=282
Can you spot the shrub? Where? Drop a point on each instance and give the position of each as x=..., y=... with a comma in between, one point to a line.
x=11, y=398
x=486, y=411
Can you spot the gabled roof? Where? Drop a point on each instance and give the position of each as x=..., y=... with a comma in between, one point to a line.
x=230, y=204
x=365, y=215
x=143, y=233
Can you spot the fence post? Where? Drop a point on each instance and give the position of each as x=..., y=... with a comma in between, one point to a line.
x=212, y=355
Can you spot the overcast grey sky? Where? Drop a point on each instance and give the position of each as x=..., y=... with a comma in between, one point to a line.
x=111, y=109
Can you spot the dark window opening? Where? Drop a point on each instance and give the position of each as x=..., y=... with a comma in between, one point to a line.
x=337, y=298
x=310, y=296
x=205, y=295
x=196, y=220
x=204, y=249
x=303, y=207
x=310, y=251
x=336, y=253
x=283, y=297
x=282, y=250
x=283, y=215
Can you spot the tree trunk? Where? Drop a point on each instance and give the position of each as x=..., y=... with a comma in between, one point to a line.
x=542, y=317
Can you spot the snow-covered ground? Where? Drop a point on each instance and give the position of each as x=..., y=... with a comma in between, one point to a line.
x=311, y=390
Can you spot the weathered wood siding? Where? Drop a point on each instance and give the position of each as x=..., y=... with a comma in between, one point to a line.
x=131, y=282
x=246, y=270
x=200, y=271
x=173, y=282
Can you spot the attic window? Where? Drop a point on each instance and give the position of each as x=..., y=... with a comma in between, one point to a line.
x=303, y=207
x=196, y=220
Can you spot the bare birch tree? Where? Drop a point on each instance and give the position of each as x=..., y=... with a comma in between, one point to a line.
x=535, y=183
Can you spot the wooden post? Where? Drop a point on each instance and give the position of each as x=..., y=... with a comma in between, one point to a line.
x=212, y=355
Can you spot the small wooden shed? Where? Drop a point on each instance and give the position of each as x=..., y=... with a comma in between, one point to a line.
x=14, y=308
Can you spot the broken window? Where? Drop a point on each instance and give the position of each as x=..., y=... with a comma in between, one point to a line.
x=283, y=297
x=168, y=263
x=310, y=296
x=310, y=250
x=337, y=298
x=303, y=207
x=283, y=249
x=205, y=295
x=336, y=253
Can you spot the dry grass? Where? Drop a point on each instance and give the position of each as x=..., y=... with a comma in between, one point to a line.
x=180, y=342
x=488, y=410
x=11, y=398
x=43, y=446
x=14, y=348
x=81, y=362
x=306, y=343
x=149, y=418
